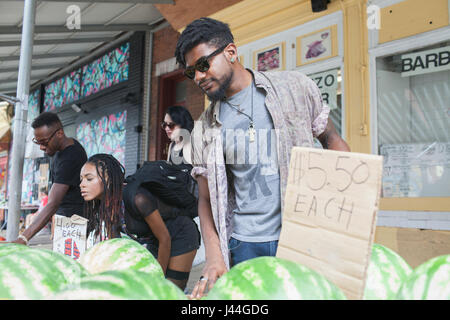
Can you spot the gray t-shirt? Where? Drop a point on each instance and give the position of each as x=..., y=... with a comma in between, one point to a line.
x=253, y=166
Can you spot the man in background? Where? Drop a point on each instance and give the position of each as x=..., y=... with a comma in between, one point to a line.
x=67, y=158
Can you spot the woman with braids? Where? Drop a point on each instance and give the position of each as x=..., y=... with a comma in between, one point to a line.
x=174, y=242
x=101, y=184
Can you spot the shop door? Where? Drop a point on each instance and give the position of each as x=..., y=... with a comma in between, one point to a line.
x=172, y=91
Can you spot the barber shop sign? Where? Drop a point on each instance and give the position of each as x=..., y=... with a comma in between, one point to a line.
x=427, y=61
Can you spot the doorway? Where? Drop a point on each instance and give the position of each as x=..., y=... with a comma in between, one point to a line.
x=172, y=91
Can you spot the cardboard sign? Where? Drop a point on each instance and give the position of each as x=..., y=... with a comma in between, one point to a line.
x=70, y=235
x=330, y=214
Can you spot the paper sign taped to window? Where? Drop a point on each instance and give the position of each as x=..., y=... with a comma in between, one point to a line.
x=329, y=218
x=70, y=235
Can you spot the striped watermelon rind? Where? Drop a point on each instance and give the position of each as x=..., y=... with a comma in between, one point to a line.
x=121, y=285
x=386, y=272
x=36, y=273
x=7, y=248
x=72, y=270
x=429, y=281
x=120, y=254
x=272, y=278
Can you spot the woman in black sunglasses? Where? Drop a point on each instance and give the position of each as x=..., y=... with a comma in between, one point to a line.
x=178, y=124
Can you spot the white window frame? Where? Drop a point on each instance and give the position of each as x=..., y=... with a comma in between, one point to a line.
x=377, y=50
x=391, y=48
x=405, y=219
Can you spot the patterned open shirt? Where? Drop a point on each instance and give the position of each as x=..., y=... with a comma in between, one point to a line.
x=295, y=103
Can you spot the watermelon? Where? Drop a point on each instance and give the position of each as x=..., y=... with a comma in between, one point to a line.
x=120, y=254
x=385, y=274
x=121, y=285
x=36, y=273
x=429, y=281
x=7, y=248
x=271, y=278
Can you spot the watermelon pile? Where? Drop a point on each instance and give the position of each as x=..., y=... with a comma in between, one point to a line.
x=35, y=273
x=123, y=269
x=7, y=248
x=386, y=272
x=120, y=254
x=429, y=281
x=113, y=269
x=121, y=285
x=271, y=278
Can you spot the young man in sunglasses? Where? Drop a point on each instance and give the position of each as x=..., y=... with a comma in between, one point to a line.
x=240, y=199
x=67, y=158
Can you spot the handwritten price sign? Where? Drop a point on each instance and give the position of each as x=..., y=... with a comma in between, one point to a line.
x=330, y=214
x=70, y=235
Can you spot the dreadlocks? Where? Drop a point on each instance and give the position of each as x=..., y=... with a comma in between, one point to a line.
x=105, y=213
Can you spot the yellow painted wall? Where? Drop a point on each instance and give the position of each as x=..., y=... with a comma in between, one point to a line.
x=412, y=17
x=252, y=20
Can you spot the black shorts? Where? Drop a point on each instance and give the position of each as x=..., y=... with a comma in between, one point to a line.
x=184, y=235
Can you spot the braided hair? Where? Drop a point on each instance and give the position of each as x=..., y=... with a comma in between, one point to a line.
x=106, y=211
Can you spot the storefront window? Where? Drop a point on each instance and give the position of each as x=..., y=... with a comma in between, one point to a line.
x=329, y=83
x=413, y=121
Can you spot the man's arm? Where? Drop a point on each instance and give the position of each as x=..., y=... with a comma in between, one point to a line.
x=330, y=139
x=215, y=265
x=55, y=196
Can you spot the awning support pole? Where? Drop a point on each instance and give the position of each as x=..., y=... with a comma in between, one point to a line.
x=20, y=119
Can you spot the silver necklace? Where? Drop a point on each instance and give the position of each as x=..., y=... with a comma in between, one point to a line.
x=238, y=106
x=251, y=129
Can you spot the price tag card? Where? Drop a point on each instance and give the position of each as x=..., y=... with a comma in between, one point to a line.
x=329, y=216
x=70, y=235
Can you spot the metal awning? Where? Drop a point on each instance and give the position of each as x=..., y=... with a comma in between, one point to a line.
x=56, y=48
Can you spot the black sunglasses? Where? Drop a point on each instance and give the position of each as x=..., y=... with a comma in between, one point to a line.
x=171, y=125
x=202, y=64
